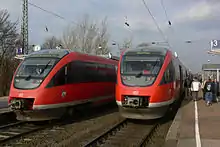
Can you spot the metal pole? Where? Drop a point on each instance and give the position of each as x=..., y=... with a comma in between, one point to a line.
x=217, y=75
x=24, y=28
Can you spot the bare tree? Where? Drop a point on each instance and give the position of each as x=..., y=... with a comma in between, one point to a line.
x=8, y=41
x=87, y=37
x=127, y=43
x=8, y=35
x=51, y=43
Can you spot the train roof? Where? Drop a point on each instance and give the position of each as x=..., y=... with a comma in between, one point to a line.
x=50, y=53
x=60, y=53
x=152, y=49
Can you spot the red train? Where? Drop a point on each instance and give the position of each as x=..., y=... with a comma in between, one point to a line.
x=50, y=83
x=149, y=80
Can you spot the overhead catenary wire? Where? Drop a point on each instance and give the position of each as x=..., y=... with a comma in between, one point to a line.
x=165, y=11
x=51, y=12
x=161, y=32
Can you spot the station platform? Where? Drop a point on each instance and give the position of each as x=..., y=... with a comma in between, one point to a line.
x=195, y=125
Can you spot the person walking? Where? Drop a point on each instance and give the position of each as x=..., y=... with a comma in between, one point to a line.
x=195, y=87
x=189, y=83
x=209, y=89
x=203, y=90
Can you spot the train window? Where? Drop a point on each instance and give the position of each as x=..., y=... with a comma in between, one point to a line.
x=76, y=72
x=91, y=72
x=82, y=72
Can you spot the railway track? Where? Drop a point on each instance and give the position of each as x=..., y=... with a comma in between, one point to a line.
x=17, y=129
x=126, y=133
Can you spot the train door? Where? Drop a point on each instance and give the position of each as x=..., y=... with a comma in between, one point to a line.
x=181, y=79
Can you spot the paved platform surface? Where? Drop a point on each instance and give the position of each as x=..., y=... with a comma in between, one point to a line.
x=4, y=102
x=195, y=125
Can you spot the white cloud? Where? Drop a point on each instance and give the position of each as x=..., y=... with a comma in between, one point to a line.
x=199, y=11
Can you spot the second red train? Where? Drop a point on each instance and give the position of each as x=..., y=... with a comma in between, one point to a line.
x=149, y=80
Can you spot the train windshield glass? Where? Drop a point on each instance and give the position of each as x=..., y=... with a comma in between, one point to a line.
x=32, y=71
x=140, y=70
x=141, y=64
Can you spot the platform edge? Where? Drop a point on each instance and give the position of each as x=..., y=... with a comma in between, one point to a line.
x=174, y=130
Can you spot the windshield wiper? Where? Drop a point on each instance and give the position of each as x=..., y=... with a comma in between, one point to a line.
x=139, y=74
x=45, y=67
x=157, y=61
x=28, y=77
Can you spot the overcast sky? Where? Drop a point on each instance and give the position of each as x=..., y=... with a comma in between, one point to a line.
x=197, y=20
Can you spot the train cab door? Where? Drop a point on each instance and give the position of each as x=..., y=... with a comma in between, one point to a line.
x=170, y=80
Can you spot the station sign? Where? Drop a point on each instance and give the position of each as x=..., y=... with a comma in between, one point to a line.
x=19, y=51
x=215, y=44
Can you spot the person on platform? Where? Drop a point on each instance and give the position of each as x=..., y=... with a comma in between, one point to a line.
x=189, y=83
x=209, y=89
x=195, y=87
x=203, y=91
x=215, y=90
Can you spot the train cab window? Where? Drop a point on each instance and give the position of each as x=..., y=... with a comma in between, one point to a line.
x=169, y=74
x=59, y=78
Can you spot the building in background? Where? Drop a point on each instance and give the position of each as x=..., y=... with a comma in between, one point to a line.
x=210, y=71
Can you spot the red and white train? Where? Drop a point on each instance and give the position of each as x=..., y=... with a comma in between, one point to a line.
x=49, y=83
x=149, y=80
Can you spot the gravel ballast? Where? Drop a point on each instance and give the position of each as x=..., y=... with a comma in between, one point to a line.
x=73, y=134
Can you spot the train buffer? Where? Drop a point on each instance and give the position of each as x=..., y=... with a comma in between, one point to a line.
x=195, y=125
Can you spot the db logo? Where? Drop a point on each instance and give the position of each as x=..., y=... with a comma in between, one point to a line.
x=135, y=92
